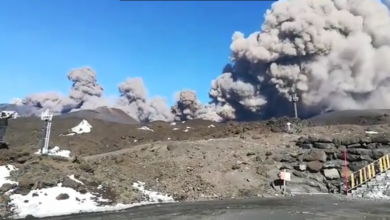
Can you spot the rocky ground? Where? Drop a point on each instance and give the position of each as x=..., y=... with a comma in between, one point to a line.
x=195, y=160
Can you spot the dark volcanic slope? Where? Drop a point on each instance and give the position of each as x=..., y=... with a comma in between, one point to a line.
x=102, y=113
x=356, y=117
x=106, y=136
x=25, y=133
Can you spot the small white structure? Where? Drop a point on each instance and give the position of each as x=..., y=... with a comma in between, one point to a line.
x=81, y=128
x=288, y=126
x=46, y=116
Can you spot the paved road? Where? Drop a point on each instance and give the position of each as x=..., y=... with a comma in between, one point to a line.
x=314, y=207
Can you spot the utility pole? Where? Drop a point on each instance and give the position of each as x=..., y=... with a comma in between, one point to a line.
x=294, y=99
x=46, y=116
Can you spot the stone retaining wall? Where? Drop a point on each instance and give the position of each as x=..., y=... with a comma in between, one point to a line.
x=322, y=158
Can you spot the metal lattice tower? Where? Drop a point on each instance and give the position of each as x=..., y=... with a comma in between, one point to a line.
x=46, y=116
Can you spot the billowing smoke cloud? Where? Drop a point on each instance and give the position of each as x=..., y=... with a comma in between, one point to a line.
x=333, y=54
x=134, y=101
x=86, y=93
x=187, y=106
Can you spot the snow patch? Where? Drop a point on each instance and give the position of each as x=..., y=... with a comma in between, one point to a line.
x=145, y=128
x=5, y=173
x=76, y=180
x=56, y=151
x=154, y=197
x=46, y=202
x=83, y=127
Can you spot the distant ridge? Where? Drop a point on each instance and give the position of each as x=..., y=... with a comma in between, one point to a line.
x=23, y=110
x=353, y=117
x=102, y=113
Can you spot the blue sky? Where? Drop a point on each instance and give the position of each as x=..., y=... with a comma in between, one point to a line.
x=171, y=45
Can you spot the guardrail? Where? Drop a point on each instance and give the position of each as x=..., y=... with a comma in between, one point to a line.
x=368, y=172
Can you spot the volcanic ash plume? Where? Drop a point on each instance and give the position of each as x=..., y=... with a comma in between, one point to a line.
x=333, y=54
x=86, y=93
x=133, y=100
x=187, y=105
x=54, y=101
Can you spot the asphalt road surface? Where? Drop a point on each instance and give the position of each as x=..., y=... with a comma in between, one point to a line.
x=308, y=207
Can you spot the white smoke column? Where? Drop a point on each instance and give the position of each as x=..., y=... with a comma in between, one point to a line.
x=334, y=54
x=134, y=102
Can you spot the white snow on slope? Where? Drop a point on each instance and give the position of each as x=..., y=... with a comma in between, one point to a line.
x=145, y=128
x=4, y=174
x=72, y=177
x=43, y=202
x=56, y=151
x=83, y=127
x=153, y=196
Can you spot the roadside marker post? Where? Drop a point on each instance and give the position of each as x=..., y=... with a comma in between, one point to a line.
x=285, y=176
x=346, y=172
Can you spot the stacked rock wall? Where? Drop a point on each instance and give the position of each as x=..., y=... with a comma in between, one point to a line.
x=321, y=159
